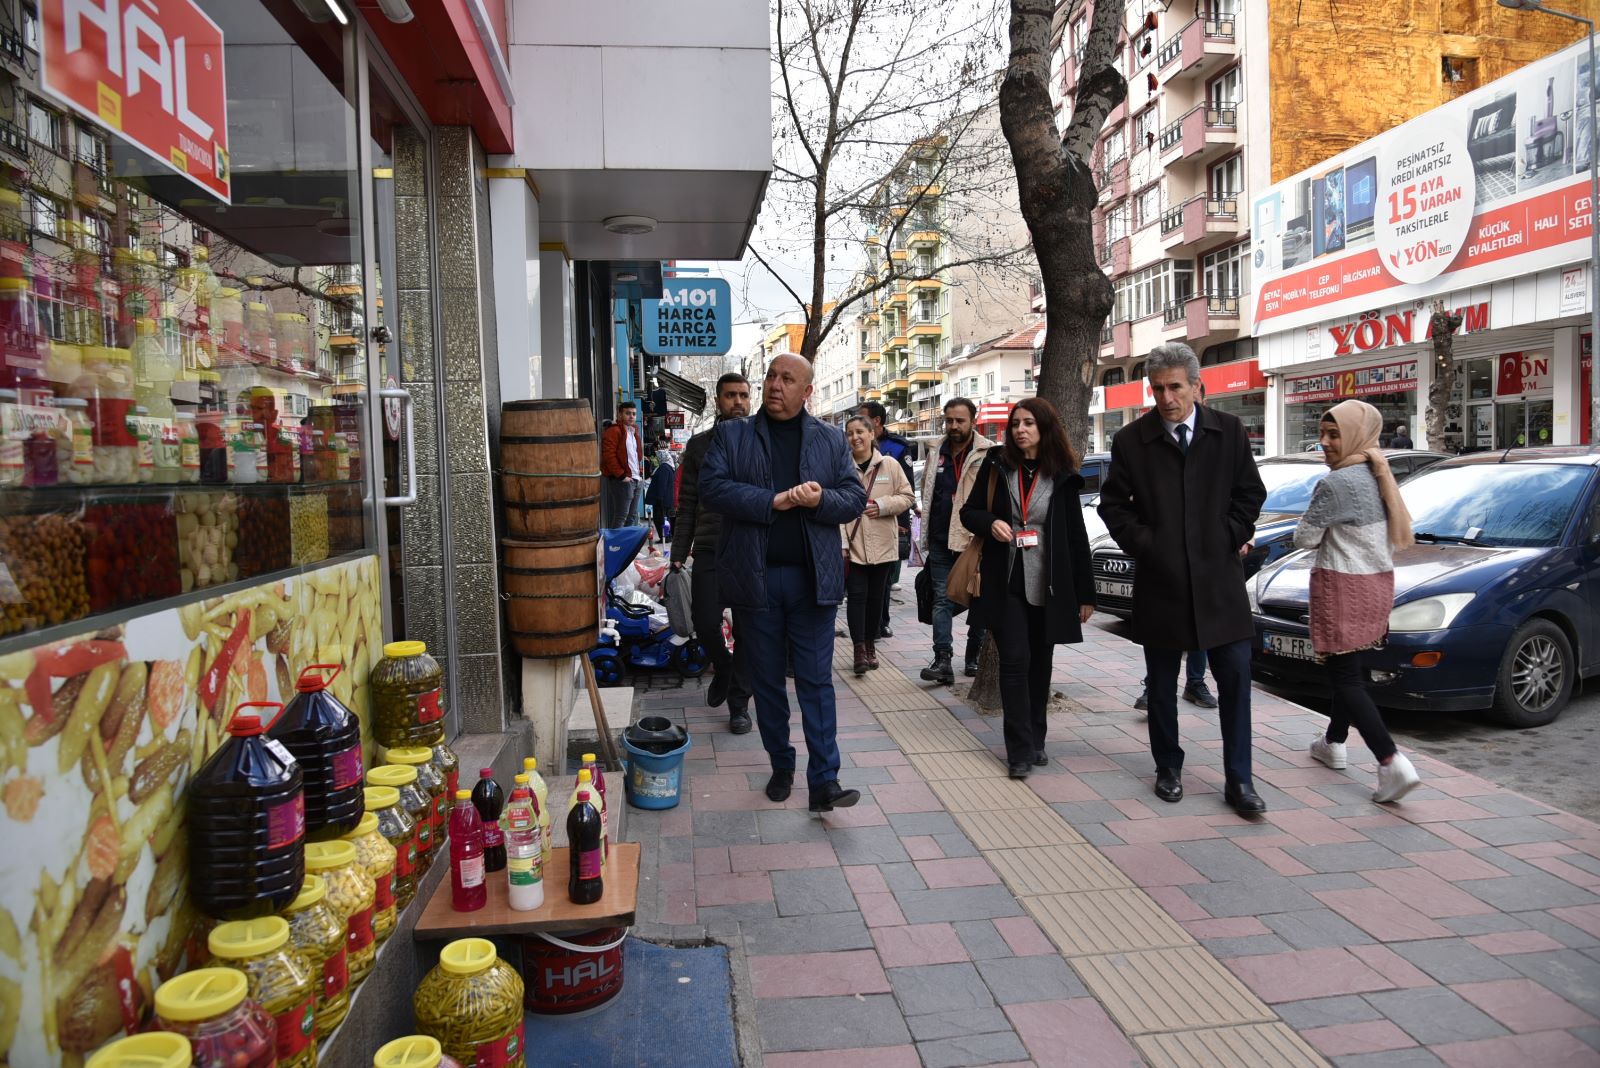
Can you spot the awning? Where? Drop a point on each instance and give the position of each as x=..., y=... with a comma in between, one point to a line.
x=680, y=391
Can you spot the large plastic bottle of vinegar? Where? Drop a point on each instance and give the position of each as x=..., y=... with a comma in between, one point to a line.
x=541, y=795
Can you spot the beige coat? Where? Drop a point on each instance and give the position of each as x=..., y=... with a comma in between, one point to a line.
x=959, y=537
x=877, y=541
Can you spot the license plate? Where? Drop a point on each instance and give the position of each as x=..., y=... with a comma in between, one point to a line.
x=1288, y=645
x=1107, y=588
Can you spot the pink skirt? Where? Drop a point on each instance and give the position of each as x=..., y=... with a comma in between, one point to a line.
x=1349, y=612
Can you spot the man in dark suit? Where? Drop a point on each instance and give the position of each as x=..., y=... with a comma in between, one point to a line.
x=1182, y=499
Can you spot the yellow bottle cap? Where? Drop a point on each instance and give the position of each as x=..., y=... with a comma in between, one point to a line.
x=157, y=1049
x=409, y=755
x=530, y=763
x=313, y=890
x=320, y=856
x=249, y=938
x=521, y=777
x=467, y=956
x=377, y=797
x=228, y=292
x=401, y=649
x=368, y=821
x=200, y=994
x=413, y=1051
x=463, y=795
x=588, y=758
x=396, y=775
x=585, y=775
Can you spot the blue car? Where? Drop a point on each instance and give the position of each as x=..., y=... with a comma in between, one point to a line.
x=1497, y=606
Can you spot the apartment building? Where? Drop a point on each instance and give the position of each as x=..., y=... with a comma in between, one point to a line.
x=837, y=374
x=996, y=374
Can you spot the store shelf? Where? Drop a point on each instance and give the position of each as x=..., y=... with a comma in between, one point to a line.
x=615, y=909
x=27, y=495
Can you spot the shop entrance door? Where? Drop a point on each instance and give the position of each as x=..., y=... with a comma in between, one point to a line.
x=1523, y=423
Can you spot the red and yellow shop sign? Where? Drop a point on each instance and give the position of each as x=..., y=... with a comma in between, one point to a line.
x=151, y=73
x=1360, y=382
x=1220, y=379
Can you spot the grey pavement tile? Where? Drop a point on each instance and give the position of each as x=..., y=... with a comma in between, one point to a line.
x=1326, y=1012
x=939, y=988
x=956, y=845
x=1348, y=856
x=1096, y=834
x=1453, y=960
x=1432, y=1014
x=783, y=826
x=1562, y=931
x=906, y=824
x=1219, y=860
x=806, y=934
x=1002, y=1047
x=730, y=827
x=1408, y=839
x=1245, y=946
x=1505, y=861
x=1316, y=929
x=1488, y=923
x=957, y=903
x=903, y=876
x=1414, y=1057
x=1520, y=892
x=982, y=940
x=741, y=913
x=859, y=777
x=1584, y=861
x=830, y=1023
x=937, y=1025
x=1081, y=813
x=867, y=845
x=1567, y=972
x=876, y=743
x=1338, y=880
x=1041, y=978
x=1253, y=898
x=1513, y=830
x=810, y=891
x=1589, y=1036
x=1511, y=805
x=675, y=850
x=1117, y=785
x=1250, y=830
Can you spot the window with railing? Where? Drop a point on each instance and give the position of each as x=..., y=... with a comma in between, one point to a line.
x=1172, y=219
x=1169, y=51
x=1171, y=135
x=1105, y=334
x=1222, y=271
x=30, y=26
x=45, y=125
x=1147, y=206
x=1149, y=292
x=1145, y=126
x=48, y=215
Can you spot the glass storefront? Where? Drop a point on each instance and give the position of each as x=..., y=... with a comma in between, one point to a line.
x=1251, y=408
x=1390, y=387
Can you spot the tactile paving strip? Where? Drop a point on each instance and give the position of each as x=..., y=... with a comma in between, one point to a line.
x=1061, y=869
x=1170, y=990
x=970, y=764
x=1017, y=830
x=899, y=702
x=1105, y=921
x=986, y=795
x=1251, y=1046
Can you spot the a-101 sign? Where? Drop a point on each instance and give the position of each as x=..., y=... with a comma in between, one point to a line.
x=693, y=316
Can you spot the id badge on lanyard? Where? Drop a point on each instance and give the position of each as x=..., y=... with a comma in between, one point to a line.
x=1027, y=537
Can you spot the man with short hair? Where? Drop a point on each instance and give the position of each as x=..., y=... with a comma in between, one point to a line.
x=898, y=448
x=621, y=468
x=947, y=480
x=696, y=531
x=783, y=482
x=1401, y=439
x=1182, y=498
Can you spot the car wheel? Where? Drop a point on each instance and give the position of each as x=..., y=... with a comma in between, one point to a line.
x=1536, y=675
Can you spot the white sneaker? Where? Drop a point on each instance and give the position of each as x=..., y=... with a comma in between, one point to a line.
x=895, y=586
x=1396, y=779
x=1332, y=754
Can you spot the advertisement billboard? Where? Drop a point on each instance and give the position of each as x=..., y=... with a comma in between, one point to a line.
x=1492, y=185
x=693, y=316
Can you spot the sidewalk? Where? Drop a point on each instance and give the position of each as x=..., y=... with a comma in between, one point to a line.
x=955, y=917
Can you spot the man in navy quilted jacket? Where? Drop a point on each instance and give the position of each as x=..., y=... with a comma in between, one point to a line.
x=783, y=482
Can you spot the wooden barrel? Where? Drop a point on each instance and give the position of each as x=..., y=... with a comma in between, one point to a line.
x=549, y=469
x=552, y=595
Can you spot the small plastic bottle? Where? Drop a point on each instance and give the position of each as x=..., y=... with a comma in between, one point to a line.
x=524, y=852
x=490, y=799
x=139, y=425
x=243, y=455
x=188, y=448
x=75, y=454
x=468, y=889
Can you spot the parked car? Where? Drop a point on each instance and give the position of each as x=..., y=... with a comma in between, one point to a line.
x=1497, y=605
x=1289, y=480
x=1093, y=468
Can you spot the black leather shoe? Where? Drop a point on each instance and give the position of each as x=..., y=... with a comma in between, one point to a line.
x=1243, y=799
x=1142, y=702
x=1169, y=785
x=886, y=632
x=717, y=692
x=939, y=671
x=830, y=795
x=738, y=722
x=1041, y=759
x=970, y=669
x=1020, y=770
x=780, y=784
x=1199, y=694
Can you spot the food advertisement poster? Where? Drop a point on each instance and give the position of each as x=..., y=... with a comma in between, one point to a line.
x=1493, y=185
x=99, y=735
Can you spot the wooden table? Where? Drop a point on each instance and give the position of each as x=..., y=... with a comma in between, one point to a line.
x=615, y=908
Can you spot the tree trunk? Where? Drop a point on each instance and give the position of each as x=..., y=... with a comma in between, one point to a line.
x=1442, y=328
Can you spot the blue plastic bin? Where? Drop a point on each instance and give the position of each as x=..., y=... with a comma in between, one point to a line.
x=654, y=779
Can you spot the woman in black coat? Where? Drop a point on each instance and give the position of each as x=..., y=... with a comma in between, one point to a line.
x=1037, y=587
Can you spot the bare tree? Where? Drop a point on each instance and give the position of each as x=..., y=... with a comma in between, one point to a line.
x=1442, y=329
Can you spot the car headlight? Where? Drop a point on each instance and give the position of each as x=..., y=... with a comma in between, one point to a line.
x=1428, y=613
x=1252, y=587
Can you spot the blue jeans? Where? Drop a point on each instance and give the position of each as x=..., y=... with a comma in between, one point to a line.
x=1230, y=664
x=940, y=561
x=1194, y=670
x=794, y=622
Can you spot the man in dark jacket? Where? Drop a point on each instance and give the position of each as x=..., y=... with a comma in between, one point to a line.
x=662, y=496
x=1182, y=499
x=695, y=532
x=783, y=482
x=897, y=448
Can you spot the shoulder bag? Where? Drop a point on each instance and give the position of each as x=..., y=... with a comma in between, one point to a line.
x=965, y=582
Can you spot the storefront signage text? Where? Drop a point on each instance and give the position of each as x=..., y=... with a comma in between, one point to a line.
x=154, y=75
x=1375, y=330
x=1521, y=373
x=1362, y=382
x=693, y=316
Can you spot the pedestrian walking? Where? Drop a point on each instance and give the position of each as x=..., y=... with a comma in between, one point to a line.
x=1182, y=498
x=783, y=483
x=1400, y=440
x=662, y=494
x=896, y=448
x=1195, y=690
x=695, y=532
x=1037, y=584
x=946, y=482
x=1355, y=520
x=621, y=469
x=871, y=540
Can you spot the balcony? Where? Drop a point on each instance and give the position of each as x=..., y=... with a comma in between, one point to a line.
x=1113, y=180
x=1206, y=314
x=872, y=393
x=899, y=255
x=874, y=239
x=1114, y=256
x=871, y=356
x=12, y=139
x=922, y=396
x=1199, y=221
x=1105, y=337
x=932, y=285
x=1121, y=340
x=12, y=48
x=896, y=297
x=1168, y=52
x=924, y=373
x=924, y=192
x=1203, y=132
x=898, y=341
x=924, y=238
x=926, y=328
x=1205, y=45
x=897, y=385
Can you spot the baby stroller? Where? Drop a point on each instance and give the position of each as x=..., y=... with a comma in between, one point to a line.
x=635, y=632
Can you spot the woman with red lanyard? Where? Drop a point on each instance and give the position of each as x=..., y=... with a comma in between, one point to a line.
x=1037, y=589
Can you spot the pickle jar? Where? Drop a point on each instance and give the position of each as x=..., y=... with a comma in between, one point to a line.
x=351, y=894
x=282, y=980
x=403, y=777
x=413, y=1051
x=153, y=1049
x=431, y=782
x=449, y=765
x=397, y=828
x=472, y=1003
x=318, y=932
x=406, y=694
x=378, y=857
x=212, y=1008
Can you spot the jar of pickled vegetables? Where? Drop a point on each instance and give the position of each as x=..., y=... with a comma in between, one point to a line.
x=378, y=857
x=407, y=697
x=398, y=829
x=413, y=1051
x=154, y=1049
x=431, y=782
x=211, y=1007
x=351, y=894
x=318, y=932
x=282, y=980
x=449, y=765
x=416, y=803
x=472, y=1003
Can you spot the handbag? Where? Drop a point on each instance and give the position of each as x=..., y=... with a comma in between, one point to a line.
x=965, y=582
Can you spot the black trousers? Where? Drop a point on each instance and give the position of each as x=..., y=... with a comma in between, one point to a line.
x=1353, y=705
x=1026, y=657
x=707, y=612
x=1230, y=666
x=867, y=596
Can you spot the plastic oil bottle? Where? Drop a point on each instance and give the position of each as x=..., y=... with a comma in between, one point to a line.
x=524, y=852
x=468, y=890
x=598, y=774
x=586, y=788
x=585, y=877
x=541, y=797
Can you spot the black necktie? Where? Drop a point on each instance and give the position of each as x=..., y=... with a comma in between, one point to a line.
x=1183, y=437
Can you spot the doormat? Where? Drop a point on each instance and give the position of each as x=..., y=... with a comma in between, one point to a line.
x=675, y=1011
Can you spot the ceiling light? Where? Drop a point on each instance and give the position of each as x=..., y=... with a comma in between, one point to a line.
x=630, y=224
x=338, y=12
x=627, y=276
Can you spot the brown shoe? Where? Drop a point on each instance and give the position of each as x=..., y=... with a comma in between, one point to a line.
x=863, y=664
x=872, y=656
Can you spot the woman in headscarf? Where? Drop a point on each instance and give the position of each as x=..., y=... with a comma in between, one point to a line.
x=1355, y=521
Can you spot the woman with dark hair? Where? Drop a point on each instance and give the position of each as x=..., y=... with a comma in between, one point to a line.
x=1037, y=589
x=871, y=540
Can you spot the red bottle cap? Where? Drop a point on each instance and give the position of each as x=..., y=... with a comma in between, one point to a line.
x=485, y=773
x=246, y=724
x=312, y=679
